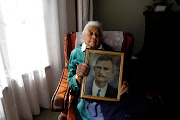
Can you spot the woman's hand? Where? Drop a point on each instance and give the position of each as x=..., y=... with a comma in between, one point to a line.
x=82, y=70
x=124, y=88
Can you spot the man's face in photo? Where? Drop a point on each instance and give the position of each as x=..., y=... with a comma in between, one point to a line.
x=103, y=70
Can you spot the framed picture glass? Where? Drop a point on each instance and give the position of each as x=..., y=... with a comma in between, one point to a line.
x=105, y=77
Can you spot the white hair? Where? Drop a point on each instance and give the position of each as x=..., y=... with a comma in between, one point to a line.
x=92, y=23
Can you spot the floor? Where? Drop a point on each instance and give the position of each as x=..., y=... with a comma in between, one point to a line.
x=46, y=114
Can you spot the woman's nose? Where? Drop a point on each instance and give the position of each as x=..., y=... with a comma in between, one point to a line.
x=94, y=36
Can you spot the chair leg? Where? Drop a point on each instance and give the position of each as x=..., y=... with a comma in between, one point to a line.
x=62, y=116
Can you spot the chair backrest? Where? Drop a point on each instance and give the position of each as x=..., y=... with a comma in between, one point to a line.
x=117, y=40
x=114, y=39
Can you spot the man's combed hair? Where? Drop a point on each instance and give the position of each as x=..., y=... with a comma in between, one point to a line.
x=92, y=23
x=105, y=58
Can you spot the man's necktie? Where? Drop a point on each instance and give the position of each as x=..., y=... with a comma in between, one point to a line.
x=98, y=94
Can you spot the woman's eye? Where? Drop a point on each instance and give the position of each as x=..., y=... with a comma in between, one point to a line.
x=98, y=35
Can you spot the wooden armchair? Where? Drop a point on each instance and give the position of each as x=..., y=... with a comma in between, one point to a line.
x=117, y=40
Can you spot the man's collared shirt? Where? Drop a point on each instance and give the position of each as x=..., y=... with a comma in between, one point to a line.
x=95, y=89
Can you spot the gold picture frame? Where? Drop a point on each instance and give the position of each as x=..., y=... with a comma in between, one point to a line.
x=105, y=77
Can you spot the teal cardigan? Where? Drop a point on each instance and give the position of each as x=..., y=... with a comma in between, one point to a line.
x=77, y=57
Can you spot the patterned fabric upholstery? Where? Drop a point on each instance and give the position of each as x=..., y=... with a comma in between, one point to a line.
x=118, y=40
x=114, y=39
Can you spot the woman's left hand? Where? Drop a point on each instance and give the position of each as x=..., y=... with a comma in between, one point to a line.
x=124, y=88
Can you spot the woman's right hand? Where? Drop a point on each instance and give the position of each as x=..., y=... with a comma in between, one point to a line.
x=82, y=70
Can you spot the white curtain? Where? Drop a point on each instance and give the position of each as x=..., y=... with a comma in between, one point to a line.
x=31, y=38
x=23, y=58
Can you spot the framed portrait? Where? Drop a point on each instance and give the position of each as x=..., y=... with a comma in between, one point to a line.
x=105, y=77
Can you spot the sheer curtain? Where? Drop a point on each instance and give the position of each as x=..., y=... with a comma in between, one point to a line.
x=31, y=38
x=23, y=58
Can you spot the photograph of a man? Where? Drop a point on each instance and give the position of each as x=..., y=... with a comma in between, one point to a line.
x=103, y=69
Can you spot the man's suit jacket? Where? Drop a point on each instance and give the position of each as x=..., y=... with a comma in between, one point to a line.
x=111, y=92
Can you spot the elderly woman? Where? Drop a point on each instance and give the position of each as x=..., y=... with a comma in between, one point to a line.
x=92, y=35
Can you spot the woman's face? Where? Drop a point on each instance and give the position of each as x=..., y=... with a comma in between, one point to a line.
x=92, y=37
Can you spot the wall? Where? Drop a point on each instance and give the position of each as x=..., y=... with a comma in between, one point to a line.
x=124, y=15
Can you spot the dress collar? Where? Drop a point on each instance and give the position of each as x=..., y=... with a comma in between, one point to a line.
x=84, y=46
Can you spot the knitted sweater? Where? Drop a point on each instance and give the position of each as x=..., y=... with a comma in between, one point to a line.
x=77, y=57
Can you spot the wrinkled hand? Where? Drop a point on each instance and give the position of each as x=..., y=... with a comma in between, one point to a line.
x=82, y=70
x=124, y=88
